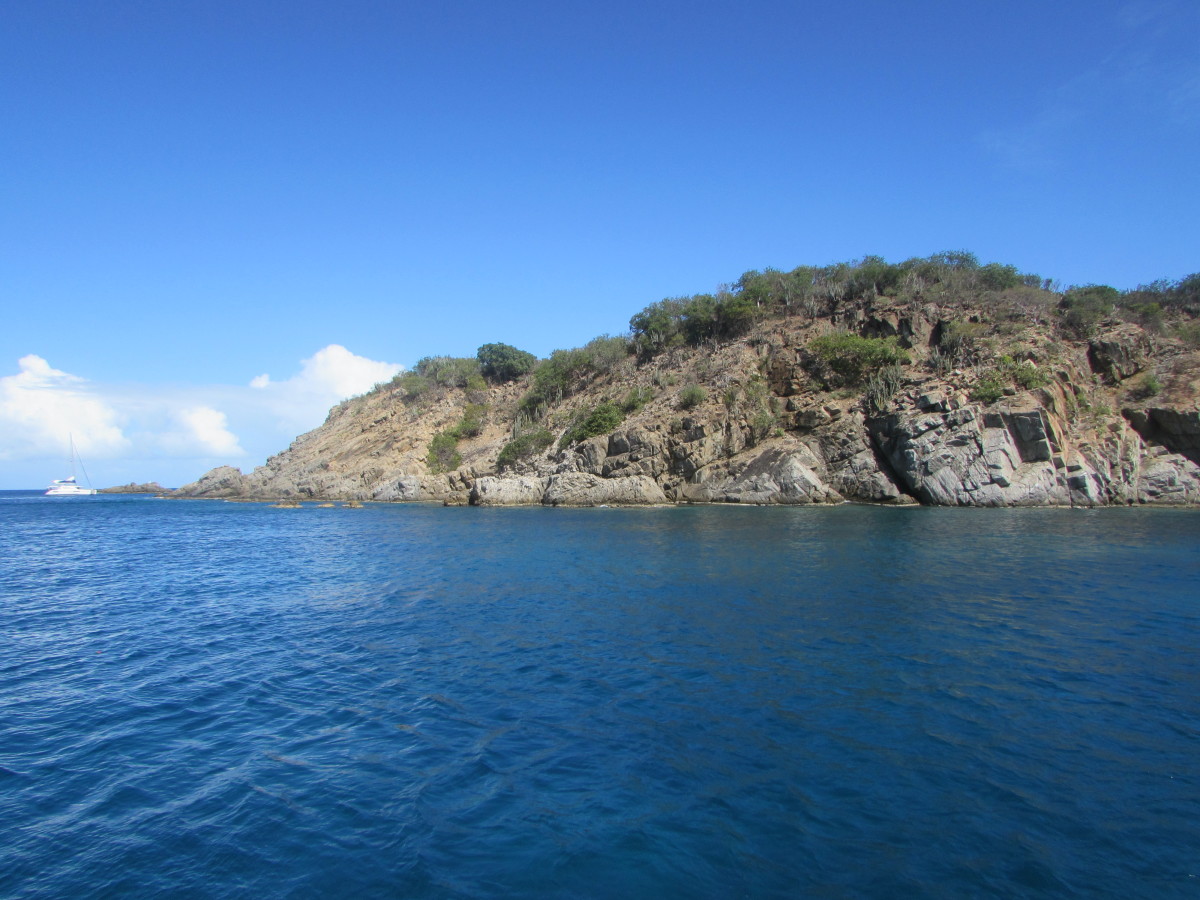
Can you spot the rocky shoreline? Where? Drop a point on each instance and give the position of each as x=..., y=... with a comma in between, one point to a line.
x=965, y=456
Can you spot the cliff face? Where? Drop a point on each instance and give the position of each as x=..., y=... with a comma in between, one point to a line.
x=765, y=427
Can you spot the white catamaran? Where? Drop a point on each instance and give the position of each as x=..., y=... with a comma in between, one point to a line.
x=67, y=487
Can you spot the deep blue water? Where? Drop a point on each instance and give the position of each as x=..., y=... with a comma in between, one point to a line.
x=206, y=699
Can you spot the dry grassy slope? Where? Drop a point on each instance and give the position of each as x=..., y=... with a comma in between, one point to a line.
x=376, y=446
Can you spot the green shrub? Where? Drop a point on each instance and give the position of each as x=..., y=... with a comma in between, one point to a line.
x=1083, y=308
x=657, y=327
x=736, y=314
x=605, y=353
x=1021, y=373
x=1183, y=294
x=1030, y=376
x=989, y=388
x=851, y=357
x=698, y=319
x=523, y=446
x=443, y=454
x=447, y=371
x=1189, y=333
x=996, y=277
x=412, y=386
x=1148, y=315
x=692, y=396
x=882, y=387
x=602, y=420
x=762, y=423
x=952, y=260
x=551, y=381
x=471, y=424
x=961, y=341
x=561, y=374
x=500, y=363
x=1149, y=386
x=873, y=276
x=773, y=292
x=940, y=361
x=636, y=399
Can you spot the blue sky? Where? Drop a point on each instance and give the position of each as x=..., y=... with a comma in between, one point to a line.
x=194, y=195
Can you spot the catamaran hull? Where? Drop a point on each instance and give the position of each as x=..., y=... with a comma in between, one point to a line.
x=68, y=488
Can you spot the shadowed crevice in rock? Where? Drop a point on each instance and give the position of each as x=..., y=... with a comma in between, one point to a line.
x=1177, y=430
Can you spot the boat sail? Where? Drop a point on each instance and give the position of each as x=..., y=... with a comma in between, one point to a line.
x=67, y=487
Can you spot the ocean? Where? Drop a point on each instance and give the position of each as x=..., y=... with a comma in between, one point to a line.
x=208, y=699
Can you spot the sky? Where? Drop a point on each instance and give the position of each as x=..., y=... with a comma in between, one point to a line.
x=218, y=219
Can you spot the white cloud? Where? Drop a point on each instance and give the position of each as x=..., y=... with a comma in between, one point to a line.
x=202, y=431
x=132, y=428
x=327, y=377
x=42, y=407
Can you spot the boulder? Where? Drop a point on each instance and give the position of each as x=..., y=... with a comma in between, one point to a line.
x=782, y=475
x=585, y=489
x=1119, y=354
x=508, y=490
x=1169, y=479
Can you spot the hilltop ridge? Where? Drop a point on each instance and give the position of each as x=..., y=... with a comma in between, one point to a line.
x=937, y=381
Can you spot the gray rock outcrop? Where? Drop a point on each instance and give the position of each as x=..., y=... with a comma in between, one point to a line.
x=998, y=458
x=1177, y=430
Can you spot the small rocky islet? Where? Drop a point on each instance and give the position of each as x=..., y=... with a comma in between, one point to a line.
x=150, y=487
x=937, y=381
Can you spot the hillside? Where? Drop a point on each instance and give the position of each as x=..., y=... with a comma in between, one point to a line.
x=937, y=381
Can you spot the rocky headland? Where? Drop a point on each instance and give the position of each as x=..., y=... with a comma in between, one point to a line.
x=934, y=382
x=150, y=487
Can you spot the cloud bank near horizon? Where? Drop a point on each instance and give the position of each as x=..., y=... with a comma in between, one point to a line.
x=42, y=407
x=327, y=377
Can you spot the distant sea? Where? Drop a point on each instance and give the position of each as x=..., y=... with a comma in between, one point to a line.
x=213, y=700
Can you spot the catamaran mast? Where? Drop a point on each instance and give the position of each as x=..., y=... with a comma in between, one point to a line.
x=71, y=441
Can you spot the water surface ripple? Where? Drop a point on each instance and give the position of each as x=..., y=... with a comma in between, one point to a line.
x=207, y=699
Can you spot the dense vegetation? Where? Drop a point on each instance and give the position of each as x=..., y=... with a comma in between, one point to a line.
x=603, y=419
x=443, y=453
x=814, y=291
x=522, y=446
x=502, y=362
x=848, y=358
x=955, y=277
